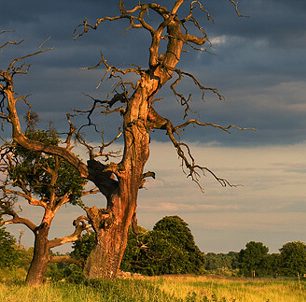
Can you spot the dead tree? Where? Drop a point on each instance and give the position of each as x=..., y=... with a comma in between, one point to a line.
x=120, y=181
x=44, y=181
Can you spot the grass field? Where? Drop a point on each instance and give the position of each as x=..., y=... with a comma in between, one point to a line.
x=157, y=289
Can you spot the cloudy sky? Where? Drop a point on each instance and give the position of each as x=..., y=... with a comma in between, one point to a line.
x=257, y=62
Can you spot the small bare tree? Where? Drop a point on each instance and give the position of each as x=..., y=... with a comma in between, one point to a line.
x=120, y=182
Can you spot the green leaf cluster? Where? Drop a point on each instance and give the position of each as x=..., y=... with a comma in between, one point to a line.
x=8, y=252
x=30, y=170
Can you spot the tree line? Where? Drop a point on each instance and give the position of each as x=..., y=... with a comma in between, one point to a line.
x=169, y=248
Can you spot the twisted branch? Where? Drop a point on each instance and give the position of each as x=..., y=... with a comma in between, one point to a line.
x=81, y=225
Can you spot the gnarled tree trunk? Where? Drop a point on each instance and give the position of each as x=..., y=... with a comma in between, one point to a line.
x=41, y=256
x=111, y=225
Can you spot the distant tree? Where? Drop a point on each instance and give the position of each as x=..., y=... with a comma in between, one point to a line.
x=252, y=259
x=293, y=258
x=40, y=180
x=8, y=253
x=221, y=263
x=168, y=249
x=272, y=265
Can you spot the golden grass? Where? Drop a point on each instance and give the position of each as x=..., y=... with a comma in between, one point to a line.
x=160, y=289
x=233, y=289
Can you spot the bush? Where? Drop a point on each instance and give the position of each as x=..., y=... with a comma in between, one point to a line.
x=168, y=249
x=8, y=251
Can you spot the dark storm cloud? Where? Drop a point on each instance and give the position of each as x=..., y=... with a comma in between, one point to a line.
x=252, y=59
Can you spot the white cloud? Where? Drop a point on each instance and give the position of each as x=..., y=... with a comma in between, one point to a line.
x=218, y=40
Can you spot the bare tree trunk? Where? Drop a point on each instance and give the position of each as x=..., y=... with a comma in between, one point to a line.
x=104, y=261
x=111, y=225
x=41, y=256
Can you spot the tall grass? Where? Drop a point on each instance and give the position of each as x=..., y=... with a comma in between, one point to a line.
x=156, y=289
x=238, y=290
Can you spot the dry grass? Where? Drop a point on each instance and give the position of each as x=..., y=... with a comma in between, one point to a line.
x=233, y=289
x=159, y=289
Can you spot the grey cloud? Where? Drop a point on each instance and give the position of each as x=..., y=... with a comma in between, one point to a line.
x=259, y=53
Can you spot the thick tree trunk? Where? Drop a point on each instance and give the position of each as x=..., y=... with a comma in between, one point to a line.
x=41, y=257
x=111, y=225
x=104, y=261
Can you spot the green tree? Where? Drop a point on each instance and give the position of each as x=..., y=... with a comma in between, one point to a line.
x=41, y=180
x=8, y=253
x=168, y=249
x=221, y=263
x=273, y=267
x=293, y=258
x=252, y=259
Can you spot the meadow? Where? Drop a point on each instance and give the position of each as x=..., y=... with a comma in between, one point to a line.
x=156, y=289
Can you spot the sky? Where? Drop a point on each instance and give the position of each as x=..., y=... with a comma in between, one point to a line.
x=257, y=62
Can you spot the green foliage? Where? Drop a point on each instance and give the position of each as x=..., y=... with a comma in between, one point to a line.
x=11, y=255
x=221, y=263
x=293, y=258
x=252, y=259
x=83, y=247
x=272, y=265
x=8, y=252
x=168, y=249
x=65, y=272
x=31, y=169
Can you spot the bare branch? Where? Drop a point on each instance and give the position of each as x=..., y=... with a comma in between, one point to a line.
x=11, y=43
x=81, y=224
x=23, y=69
x=7, y=208
x=188, y=163
x=185, y=101
x=205, y=124
x=64, y=259
x=20, y=220
x=143, y=181
x=190, y=168
x=27, y=196
x=177, y=5
x=91, y=191
x=236, y=7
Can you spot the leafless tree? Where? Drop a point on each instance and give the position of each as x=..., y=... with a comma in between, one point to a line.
x=120, y=181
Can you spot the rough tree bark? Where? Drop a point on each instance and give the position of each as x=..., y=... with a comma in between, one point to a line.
x=41, y=256
x=120, y=182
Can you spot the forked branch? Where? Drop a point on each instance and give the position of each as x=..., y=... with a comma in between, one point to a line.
x=189, y=166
